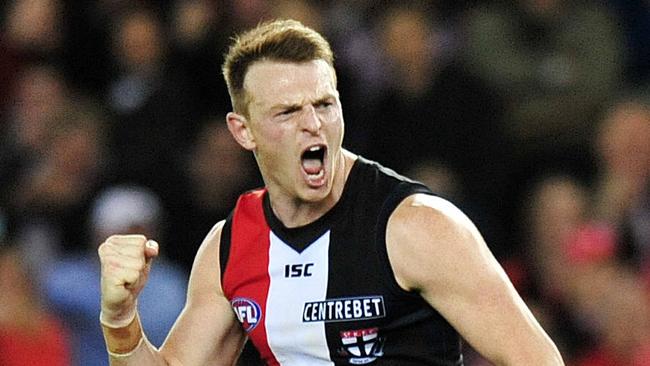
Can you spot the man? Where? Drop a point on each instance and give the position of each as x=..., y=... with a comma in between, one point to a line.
x=336, y=261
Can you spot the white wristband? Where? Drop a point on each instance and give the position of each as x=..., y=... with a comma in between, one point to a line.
x=117, y=325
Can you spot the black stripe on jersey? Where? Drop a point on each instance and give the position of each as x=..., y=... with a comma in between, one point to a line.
x=411, y=332
x=402, y=191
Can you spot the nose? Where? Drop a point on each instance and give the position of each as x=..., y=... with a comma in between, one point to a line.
x=311, y=120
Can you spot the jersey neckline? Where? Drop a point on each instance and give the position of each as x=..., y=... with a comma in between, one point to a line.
x=300, y=237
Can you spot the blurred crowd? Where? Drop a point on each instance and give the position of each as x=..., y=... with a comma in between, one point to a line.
x=533, y=116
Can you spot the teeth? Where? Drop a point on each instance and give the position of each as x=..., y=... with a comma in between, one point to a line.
x=314, y=148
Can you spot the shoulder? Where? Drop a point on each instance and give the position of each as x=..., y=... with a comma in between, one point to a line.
x=206, y=270
x=427, y=238
x=210, y=245
x=437, y=252
x=425, y=213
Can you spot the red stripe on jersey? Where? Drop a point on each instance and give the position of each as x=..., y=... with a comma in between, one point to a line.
x=246, y=280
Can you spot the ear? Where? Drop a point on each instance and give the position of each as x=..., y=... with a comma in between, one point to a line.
x=240, y=130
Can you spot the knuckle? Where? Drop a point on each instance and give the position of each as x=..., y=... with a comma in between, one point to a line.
x=125, y=239
x=104, y=254
x=113, y=239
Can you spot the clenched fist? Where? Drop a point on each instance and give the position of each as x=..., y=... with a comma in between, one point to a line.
x=125, y=264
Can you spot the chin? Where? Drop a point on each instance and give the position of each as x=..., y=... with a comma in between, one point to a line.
x=315, y=195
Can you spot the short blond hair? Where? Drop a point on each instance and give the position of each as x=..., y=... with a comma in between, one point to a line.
x=278, y=40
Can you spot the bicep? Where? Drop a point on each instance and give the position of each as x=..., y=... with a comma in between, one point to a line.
x=207, y=331
x=444, y=258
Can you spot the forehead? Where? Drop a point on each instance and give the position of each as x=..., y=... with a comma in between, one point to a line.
x=269, y=83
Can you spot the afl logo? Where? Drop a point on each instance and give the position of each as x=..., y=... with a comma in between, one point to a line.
x=248, y=312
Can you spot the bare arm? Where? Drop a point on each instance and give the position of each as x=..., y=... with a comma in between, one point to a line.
x=436, y=250
x=206, y=332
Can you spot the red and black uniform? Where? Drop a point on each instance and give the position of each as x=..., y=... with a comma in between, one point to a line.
x=325, y=293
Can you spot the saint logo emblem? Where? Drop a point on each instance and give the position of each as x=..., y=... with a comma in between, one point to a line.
x=361, y=346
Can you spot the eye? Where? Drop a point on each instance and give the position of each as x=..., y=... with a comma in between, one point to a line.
x=288, y=111
x=324, y=104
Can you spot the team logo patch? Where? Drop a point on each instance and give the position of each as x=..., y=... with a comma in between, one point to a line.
x=361, y=346
x=248, y=312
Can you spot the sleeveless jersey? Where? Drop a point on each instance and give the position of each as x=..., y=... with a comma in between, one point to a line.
x=325, y=293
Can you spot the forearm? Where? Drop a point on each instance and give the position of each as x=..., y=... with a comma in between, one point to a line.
x=146, y=354
x=128, y=345
x=546, y=357
x=521, y=342
x=533, y=348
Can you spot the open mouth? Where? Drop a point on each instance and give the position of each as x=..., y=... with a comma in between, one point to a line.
x=313, y=163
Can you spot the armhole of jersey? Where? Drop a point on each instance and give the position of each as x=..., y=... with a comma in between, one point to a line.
x=400, y=193
x=224, y=245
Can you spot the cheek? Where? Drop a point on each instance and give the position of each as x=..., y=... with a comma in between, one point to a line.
x=267, y=136
x=336, y=126
x=274, y=146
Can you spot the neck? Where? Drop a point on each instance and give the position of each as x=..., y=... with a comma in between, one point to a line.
x=296, y=212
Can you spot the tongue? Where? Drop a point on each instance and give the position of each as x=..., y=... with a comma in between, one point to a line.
x=312, y=166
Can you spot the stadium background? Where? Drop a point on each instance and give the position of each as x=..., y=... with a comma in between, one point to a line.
x=532, y=115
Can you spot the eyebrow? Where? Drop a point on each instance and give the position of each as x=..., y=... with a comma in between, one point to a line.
x=283, y=106
x=324, y=99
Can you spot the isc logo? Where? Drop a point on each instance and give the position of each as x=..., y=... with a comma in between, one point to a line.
x=298, y=270
x=248, y=312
